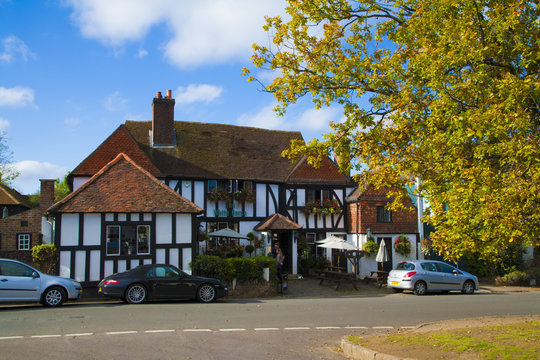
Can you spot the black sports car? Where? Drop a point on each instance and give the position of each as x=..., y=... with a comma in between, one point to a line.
x=160, y=282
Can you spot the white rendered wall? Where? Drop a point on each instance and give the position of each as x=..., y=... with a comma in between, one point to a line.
x=69, y=232
x=92, y=229
x=65, y=264
x=78, y=181
x=183, y=229
x=163, y=229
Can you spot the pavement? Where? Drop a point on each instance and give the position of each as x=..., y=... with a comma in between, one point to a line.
x=310, y=288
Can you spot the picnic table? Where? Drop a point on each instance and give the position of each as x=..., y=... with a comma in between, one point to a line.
x=378, y=276
x=338, y=277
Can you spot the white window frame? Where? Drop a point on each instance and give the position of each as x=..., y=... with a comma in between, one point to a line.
x=23, y=241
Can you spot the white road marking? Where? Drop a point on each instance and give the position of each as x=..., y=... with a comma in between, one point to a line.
x=120, y=332
x=81, y=334
x=297, y=328
x=11, y=337
x=160, y=331
x=355, y=327
x=382, y=327
x=230, y=330
x=327, y=327
x=197, y=330
x=45, y=336
x=266, y=329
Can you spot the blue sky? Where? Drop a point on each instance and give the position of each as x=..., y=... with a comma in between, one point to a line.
x=72, y=71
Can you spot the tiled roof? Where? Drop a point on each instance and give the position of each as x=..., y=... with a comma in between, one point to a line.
x=211, y=151
x=327, y=172
x=120, y=141
x=277, y=222
x=124, y=186
x=9, y=196
x=219, y=151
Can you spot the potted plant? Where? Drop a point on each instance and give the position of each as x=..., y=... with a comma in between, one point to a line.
x=402, y=245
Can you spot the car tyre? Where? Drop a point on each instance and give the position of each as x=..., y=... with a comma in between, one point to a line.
x=136, y=294
x=468, y=287
x=54, y=296
x=206, y=293
x=420, y=288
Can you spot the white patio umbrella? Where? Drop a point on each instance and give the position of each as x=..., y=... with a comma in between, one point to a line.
x=382, y=254
x=331, y=238
x=338, y=244
x=227, y=233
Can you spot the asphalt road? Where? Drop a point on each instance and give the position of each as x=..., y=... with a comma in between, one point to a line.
x=293, y=328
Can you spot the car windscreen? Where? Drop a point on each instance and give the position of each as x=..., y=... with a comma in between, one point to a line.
x=405, y=266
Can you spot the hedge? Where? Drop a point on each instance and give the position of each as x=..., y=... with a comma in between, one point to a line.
x=243, y=269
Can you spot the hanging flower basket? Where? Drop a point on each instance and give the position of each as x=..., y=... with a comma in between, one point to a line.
x=244, y=195
x=402, y=245
x=322, y=207
x=218, y=195
x=370, y=248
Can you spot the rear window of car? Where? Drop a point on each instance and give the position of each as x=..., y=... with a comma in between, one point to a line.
x=405, y=266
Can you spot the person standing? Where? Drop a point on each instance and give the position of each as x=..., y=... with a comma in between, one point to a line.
x=280, y=258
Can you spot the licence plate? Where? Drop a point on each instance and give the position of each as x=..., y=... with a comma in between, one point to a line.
x=394, y=283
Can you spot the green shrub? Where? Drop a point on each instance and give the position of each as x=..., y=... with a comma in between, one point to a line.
x=45, y=256
x=513, y=279
x=243, y=269
x=506, y=261
x=249, y=249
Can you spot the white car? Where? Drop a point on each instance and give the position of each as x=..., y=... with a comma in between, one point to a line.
x=422, y=276
x=20, y=282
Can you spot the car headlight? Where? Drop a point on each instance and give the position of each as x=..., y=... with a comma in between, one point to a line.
x=77, y=285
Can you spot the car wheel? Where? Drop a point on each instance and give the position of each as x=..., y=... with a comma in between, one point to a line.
x=468, y=287
x=54, y=296
x=396, y=290
x=420, y=288
x=136, y=294
x=206, y=293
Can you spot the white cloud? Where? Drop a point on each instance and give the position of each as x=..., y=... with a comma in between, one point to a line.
x=115, y=102
x=72, y=121
x=204, y=31
x=315, y=120
x=4, y=124
x=30, y=173
x=142, y=53
x=12, y=47
x=17, y=96
x=266, y=118
x=193, y=93
x=295, y=119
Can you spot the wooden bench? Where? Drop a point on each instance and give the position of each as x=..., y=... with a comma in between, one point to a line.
x=378, y=276
x=338, y=278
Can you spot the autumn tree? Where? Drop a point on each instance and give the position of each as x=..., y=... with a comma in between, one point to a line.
x=7, y=172
x=442, y=91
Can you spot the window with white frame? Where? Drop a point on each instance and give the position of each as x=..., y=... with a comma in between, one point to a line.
x=128, y=239
x=23, y=241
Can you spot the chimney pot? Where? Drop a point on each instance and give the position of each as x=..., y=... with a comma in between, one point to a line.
x=169, y=94
x=158, y=95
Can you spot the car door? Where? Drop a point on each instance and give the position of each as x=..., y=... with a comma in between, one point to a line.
x=452, y=277
x=168, y=283
x=18, y=282
x=433, y=277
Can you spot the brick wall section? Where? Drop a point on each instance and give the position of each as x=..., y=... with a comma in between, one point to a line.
x=402, y=221
x=46, y=197
x=163, y=121
x=11, y=226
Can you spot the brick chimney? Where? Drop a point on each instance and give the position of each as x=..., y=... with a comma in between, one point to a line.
x=163, y=120
x=46, y=198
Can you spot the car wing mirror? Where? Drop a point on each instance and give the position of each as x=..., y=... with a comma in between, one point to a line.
x=35, y=275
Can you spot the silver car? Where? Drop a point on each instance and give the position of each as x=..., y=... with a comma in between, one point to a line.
x=422, y=276
x=20, y=282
